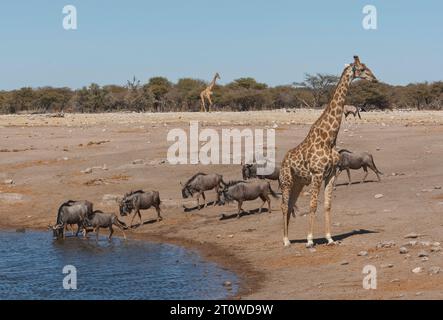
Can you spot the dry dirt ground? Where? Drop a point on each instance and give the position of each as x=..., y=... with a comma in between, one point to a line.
x=45, y=158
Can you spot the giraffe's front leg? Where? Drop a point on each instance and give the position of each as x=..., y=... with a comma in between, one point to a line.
x=328, y=201
x=315, y=190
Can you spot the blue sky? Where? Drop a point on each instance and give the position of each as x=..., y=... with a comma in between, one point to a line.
x=273, y=41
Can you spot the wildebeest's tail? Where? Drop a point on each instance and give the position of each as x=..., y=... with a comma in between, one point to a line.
x=272, y=191
x=358, y=113
x=66, y=204
x=375, y=167
x=120, y=223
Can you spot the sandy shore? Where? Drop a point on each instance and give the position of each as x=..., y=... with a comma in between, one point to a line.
x=46, y=159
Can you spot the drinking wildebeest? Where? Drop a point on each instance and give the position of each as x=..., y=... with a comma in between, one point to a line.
x=242, y=191
x=200, y=183
x=140, y=200
x=98, y=219
x=249, y=171
x=347, y=110
x=356, y=161
x=69, y=213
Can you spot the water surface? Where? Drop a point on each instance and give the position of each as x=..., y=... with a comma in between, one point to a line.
x=31, y=266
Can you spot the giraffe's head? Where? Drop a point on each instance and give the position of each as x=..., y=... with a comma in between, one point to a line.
x=217, y=76
x=361, y=71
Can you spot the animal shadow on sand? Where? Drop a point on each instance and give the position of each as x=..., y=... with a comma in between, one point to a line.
x=339, y=237
x=144, y=223
x=345, y=184
x=224, y=216
x=196, y=208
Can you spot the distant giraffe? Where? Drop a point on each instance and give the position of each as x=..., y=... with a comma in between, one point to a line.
x=315, y=159
x=207, y=93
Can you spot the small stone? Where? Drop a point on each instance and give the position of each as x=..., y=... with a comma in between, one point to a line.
x=437, y=187
x=434, y=270
x=87, y=171
x=231, y=236
x=412, y=235
x=386, y=244
x=403, y=250
x=387, y=266
x=436, y=244
x=419, y=294
x=424, y=259
x=336, y=224
x=417, y=270
x=412, y=243
x=344, y=263
x=378, y=196
x=395, y=280
x=422, y=254
x=138, y=161
x=65, y=158
x=425, y=243
x=435, y=249
x=312, y=250
x=8, y=181
x=363, y=254
x=227, y=284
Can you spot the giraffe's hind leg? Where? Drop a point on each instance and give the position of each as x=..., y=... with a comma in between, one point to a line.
x=290, y=191
x=315, y=190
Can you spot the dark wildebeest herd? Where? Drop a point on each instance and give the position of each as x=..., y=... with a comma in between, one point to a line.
x=252, y=187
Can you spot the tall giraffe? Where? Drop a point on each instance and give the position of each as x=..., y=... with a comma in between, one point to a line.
x=314, y=160
x=207, y=93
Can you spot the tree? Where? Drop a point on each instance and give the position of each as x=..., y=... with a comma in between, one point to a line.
x=247, y=83
x=159, y=87
x=320, y=86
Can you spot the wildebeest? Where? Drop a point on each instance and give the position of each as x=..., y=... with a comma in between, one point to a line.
x=201, y=182
x=249, y=171
x=242, y=191
x=355, y=161
x=140, y=200
x=69, y=213
x=347, y=110
x=98, y=219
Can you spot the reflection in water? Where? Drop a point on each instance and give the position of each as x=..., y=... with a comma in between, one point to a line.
x=31, y=267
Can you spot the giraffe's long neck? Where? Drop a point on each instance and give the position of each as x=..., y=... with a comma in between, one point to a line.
x=333, y=114
x=212, y=84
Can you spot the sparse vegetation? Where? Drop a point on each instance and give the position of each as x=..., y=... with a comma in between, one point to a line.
x=161, y=95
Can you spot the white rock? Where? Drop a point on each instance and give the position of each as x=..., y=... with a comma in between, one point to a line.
x=378, y=196
x=412, y=235
x=9, y=181
x=363, y=254
x=87, y=171
x=417, y=270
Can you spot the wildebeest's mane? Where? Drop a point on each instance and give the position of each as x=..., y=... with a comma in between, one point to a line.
x=193, y=177
x=233, y=183
x=66, y=204
x=344, y=150
x=133, y=192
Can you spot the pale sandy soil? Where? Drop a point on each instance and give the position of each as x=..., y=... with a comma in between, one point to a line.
x=45, y=156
